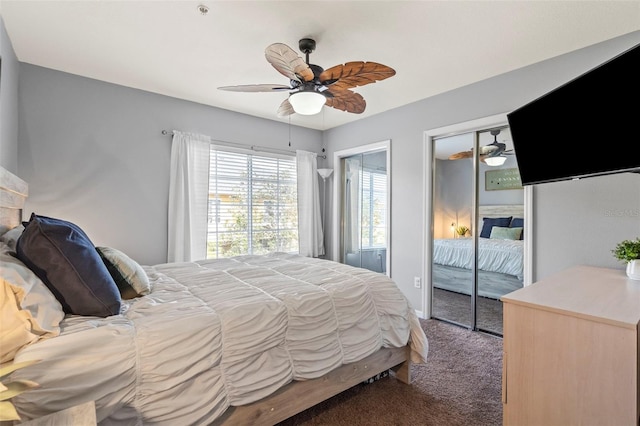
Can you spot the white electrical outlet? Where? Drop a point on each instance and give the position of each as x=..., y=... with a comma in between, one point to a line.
x=416, y=282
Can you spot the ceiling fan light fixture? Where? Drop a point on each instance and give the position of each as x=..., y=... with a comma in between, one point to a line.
x=495, y=161
x=307, y=102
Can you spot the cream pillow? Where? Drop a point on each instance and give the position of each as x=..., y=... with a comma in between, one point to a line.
x=15, y=331
x=10, y=237
x=29, y=310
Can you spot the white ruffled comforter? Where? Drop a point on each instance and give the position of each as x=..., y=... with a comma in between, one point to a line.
x=218, y=333
x=503, y=256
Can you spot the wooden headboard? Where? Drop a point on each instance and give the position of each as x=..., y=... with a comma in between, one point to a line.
x=13, y=194
x=501, y=210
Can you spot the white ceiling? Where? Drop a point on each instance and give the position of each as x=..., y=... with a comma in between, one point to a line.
x=168, y=47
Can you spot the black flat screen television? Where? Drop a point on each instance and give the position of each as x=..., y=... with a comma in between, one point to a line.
x=587, y=127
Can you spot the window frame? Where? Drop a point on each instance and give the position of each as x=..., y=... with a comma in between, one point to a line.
x=249, y=205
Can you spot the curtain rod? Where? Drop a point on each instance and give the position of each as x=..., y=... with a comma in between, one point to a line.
x=251, y=147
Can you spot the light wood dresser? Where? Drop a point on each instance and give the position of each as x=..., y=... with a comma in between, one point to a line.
x=571, y=350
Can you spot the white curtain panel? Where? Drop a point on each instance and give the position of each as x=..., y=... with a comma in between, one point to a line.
x=310, y=235
x=353, y=205
x=188, y=197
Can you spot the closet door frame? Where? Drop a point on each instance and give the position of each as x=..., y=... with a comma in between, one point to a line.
x=336, y=234
x=484, y=123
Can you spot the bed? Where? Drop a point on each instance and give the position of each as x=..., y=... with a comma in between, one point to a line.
x=245, y=340
x=500, y=255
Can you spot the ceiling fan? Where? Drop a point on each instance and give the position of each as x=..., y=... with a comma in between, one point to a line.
x=492, y=154
x=310, y=86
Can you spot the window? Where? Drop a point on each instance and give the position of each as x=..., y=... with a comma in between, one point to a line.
x=374, y=209
x=252, y=204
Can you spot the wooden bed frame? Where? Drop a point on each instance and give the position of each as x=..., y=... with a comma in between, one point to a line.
x=298, y=396
x=289, y=400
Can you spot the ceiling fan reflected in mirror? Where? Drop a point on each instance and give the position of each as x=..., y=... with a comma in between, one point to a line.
x=492, y=154
x=311, y=87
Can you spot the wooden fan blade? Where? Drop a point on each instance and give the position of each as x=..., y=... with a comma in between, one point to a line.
x=288, y=63
x=346, y=100
x=257, y=88
x=460, y=155
x=354, y=74
x=285, y=109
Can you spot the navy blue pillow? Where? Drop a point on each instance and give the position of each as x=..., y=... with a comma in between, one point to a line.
x=518, y=222
x=65, y=259
x=489, y=222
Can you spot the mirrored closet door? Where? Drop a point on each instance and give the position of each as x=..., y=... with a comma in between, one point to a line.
x=478, y=223
x=452, y=245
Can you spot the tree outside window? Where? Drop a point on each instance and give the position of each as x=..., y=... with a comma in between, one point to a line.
x=252, y=205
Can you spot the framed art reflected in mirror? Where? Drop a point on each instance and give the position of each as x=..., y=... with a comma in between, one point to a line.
x=500, y=179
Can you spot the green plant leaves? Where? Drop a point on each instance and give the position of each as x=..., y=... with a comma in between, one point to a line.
x=627, y=250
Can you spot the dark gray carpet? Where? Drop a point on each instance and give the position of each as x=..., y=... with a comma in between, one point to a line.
x=460, y=385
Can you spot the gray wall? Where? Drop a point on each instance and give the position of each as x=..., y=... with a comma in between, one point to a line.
x=570, y=223
x=453, y=193
x=8, y=103
x=580, y=222
x=93, y=153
